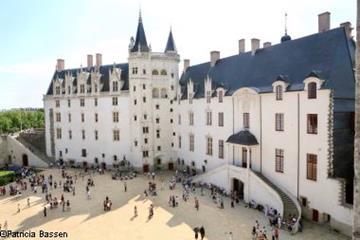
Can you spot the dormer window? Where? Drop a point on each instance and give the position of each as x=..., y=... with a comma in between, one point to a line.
x=279, y=92
x=312, y=90
x=208, y=96
x=115, y=86
x=82, y=88
x=220, y=96
x=190, y=98
x=57, y=90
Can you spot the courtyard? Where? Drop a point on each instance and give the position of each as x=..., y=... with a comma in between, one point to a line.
x=87, y=219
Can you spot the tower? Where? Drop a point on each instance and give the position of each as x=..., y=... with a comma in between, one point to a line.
x=153, y=80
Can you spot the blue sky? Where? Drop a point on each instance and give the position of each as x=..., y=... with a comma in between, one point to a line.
x=35, y=33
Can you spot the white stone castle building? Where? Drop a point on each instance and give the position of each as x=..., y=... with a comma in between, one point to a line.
x=275, y=123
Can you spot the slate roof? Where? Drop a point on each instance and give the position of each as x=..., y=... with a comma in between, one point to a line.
x=104, y=79
x=140, y=40
x=329, y=54
x=170, y=45
x=243, y=137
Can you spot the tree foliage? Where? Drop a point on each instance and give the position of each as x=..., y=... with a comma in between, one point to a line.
x=16, y=120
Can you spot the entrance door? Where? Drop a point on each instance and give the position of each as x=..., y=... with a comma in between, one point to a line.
x=315, y=215
x=238, y=186
x=25, y=160
x=85, y=164
x=146, y=168
x=171, y=166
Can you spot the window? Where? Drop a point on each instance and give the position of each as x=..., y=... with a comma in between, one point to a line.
x=135, y=143
x=144, y=71
x=172, y=75
x=221, y=95
x=114, y=101
x=279, y=92
x=312, y=90
x=57, y=103
x=69, y=117
x=70, y=134
x=155, y=72
x=115, y=86
x=221, y=149
x=191, y=98
x=312, y=123
x=69, y=103
x=163, y=93
x=60, y=153
x=279, y=121
x=191, y=118
x=58, y=133
x=57, y=90
x=82, y=88
x=115, y=158
x=95, y=102
x=157, y=133
x=69, y=90
x=145, y=116
x=115, y=116
x=95, y=88
x=134, y=70
x=155, y=93
x=208, y=96
x=82, y=117
x=144, y=99
x=157, y=120
x=311, y=166
x=159, y=148
x=134, y=88
x=157, y=106
x=246, y=120
x=179, y=140
x=144, y=86
x=135, y=118
x=58, y=117
x=116, y=135
x=221, y=119
x=83, y=134
x=208, y=118
x=179, y=119
x=82, y=102
x=145, y=140
x=96, y=135
x=191, y=142
x=279, y=160
x=209, y=141
x=163, y=72
x=171, y=110
x=83, y=152
x=145, y=129
x=172, y=87
x=171, y=120
x=135, y=102
x=96, y=117
x=145, y=154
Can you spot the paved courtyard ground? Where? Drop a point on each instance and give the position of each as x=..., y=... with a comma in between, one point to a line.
x=87, y=220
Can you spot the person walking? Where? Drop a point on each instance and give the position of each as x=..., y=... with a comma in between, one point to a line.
x=197, y=204
x=28, y=202
x=135, y=211
x=125, y=186
x=196, y=230
x=18, y=208
x=202, y=232
x=44, y=211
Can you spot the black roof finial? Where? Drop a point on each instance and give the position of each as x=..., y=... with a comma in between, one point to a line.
x=286, y=37
x=285, y=23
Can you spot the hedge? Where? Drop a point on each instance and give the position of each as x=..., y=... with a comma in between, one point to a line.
x=6, y=177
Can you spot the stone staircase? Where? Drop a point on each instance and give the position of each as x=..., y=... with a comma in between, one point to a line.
x=289, y=205
x=35, y=141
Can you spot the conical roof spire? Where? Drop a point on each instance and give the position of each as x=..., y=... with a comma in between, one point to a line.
x=140, y=40
x=170, y=45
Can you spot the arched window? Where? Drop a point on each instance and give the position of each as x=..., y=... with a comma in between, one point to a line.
x=163, y=72
x=155, y=93
x=279, y=92
x=163, y=93
x=312, y=90
x=155, y=72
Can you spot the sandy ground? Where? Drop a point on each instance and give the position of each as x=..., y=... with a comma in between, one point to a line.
x=87, y=220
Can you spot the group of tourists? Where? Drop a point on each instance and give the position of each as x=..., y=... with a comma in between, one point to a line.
x=201, y=231
x=260, y=232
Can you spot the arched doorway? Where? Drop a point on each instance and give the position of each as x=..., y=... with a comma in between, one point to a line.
x=238, y=186
x=25, y=160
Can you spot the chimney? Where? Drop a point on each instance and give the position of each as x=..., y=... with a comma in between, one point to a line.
x=267, y=44
x=241, y=46
x=348, y=28
x=60, y=65
x=255, y=44
x=186, y=64
x=214, y=57
x=98, y=59
x=324, y=22
x=89, y=60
